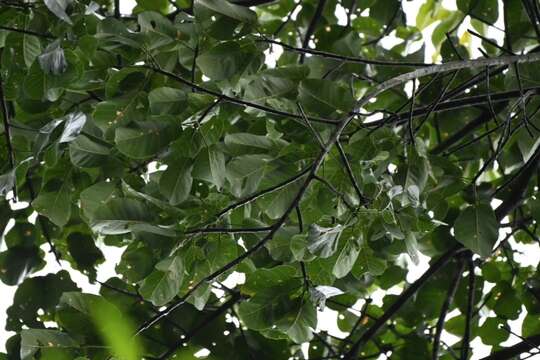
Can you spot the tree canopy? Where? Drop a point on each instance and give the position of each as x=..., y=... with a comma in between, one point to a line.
x=260, y=160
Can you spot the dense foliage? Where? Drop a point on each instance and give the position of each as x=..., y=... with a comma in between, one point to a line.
x=273, y=140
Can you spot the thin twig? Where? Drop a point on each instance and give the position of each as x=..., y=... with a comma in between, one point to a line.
x=470, y=310
x=311, y=27
x=444, y=309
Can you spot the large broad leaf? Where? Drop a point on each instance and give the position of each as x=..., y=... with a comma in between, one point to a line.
x=276, y=203
x=119, y=216
x=147, y=140
x=321, y=293
x=44, y=340
x=163, y=284
x=270, y=306
x=30, y=299
x=96, y=195
x=117, y=331
x=44, y=135
x=299, y=323
x=247, y=165
x=7, y=182
x=88, y=153
x=31, y=49
x=218, y=171
x=114, y=327
x=324, y=97
x=477, y=228
x=251, y=140
x=368, y=263
x=223, y=61
x=152, y=5
x=240, y=13
x=73, y=127
x=486, y=10
x=323, y=241
x=56, y=205
x=268, y=283
x=53, y=60
x=18, y=262
x=176, y=181
x=412, y=247
x=167, y=100
x=84, y=252
x=347, y=256
x=58, y=8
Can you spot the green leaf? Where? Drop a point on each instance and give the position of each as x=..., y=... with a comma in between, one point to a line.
x=153, y=5
x=34, y=340
x=44, y=134
x=320, y=293
x=491, y=332
x=217, y=167
x=276, y=203
x=96, y=195
x=166, y=100
x=233, y=11
x=323, y=241
x=247, y=165
x=412, y=247
x=324, y=97
x=164, y=283
x=368, y=263
x=17, y=262
x=84, y=251
x=117, y=330
x=247, y=139
x=53, y=60
x=487, y=10
x=73, y=127
x=87, y=153
x=530, y=326
x=223, y=61
x=175, y=183
x=347, y=256
x=31, y=48
x=299, y=323
x=7, y=182
x=477, y=228
x=117, y=216
x=146, y=141
x=58, y=8
x=55, y=205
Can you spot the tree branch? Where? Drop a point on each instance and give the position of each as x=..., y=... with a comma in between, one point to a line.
x=402, y=300
x=28, y=32
x=235, y=100
x=345, y=161
x=512, y=351
x=215, y=314
x=263, y=192
x=519, y=186
x=7, y=134
x=470, y=309
x=312, y=172
x=343, y=58
x=311, y=27
x=444, y=309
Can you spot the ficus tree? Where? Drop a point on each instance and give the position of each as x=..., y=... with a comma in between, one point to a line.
x=257, y=161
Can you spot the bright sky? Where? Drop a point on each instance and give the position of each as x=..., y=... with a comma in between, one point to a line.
x=529, y=254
